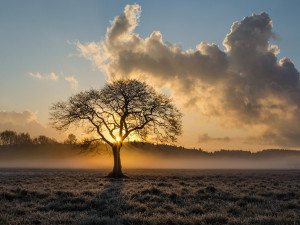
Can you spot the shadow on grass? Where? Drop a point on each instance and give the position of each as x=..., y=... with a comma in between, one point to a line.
x=106, y=208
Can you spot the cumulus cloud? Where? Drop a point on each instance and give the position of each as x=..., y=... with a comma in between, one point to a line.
x=51, y=76
x=244, y=86
x=72, y=81
x=25, y=121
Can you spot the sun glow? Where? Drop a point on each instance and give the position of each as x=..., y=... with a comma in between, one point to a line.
x=118, y=139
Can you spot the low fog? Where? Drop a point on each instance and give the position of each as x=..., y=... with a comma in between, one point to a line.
x=144, y=156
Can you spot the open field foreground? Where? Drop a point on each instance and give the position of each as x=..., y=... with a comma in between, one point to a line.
x=150, y=197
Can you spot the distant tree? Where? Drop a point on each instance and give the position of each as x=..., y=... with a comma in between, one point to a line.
x=35, y=141
x=23, y=139
x=71, y=139
x=121, y=109
x=8, y=137
x=43, y=140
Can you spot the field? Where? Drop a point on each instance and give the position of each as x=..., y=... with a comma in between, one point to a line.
x=33, y=196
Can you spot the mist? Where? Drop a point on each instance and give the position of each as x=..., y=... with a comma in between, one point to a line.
x=144, y=157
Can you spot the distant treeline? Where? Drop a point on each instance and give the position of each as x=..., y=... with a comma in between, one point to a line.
x=12, y=138
x=178, y=151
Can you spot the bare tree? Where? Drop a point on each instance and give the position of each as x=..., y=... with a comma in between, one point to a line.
x=43, y=140
x=121, y=109
x=24, y=139
x=71, y=140
x=8, y=137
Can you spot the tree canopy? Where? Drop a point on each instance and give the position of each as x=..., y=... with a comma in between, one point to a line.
x=121, y=109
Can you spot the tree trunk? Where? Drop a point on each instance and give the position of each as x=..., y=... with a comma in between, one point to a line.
x=117, y=170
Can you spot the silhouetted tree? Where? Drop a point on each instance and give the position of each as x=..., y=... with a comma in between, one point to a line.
x=23, y=139
x=8, y=137
x=121, y=109
x=71, y=139
x=43, y=140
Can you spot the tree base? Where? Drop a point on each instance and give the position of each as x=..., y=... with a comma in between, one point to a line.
x=116, y=175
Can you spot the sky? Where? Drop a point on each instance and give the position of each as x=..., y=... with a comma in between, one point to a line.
x=231, y=68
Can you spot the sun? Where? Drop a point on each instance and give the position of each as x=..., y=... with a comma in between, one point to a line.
x=118, y=139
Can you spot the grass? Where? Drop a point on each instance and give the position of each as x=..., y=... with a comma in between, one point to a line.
x=85, y=197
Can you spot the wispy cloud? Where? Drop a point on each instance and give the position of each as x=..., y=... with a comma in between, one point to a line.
x=72, y=81
x=36, y=75
x=51, y=76
x=206, y=138
x=244, y=86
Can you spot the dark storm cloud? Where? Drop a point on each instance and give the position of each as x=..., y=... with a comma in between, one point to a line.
x=244, y=86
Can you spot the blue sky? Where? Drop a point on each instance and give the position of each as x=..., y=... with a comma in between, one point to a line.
x=37, y=36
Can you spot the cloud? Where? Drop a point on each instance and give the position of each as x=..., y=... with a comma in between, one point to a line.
x=206, y=138
x=72, y=81
x=51, y=76
x=36, y=75
x=25, y=121
x=20, y=118
x=244, y=86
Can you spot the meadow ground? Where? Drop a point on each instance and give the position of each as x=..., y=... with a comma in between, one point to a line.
x=150, y=197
